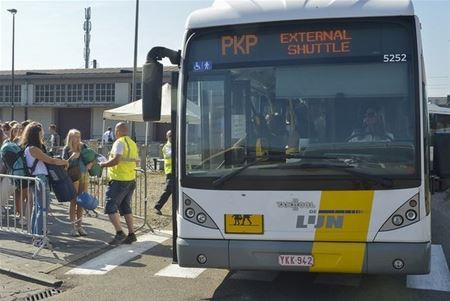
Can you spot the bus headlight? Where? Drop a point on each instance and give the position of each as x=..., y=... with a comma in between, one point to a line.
x=397, y=220
x=411, y=215
x=407, y=214
x=190, y=212
x=195, y=214
x=201, y=218
x=413, y=203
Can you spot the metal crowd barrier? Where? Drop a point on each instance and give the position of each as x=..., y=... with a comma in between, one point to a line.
x=20, y=208
x=97, y=188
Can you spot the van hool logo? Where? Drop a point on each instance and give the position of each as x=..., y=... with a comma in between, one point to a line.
x=296, y=204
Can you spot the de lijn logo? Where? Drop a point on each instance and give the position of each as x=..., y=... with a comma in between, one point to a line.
x=325, y=219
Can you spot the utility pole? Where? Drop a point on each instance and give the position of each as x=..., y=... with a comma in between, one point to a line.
x=13, y=11
x=133, y=92
x=87, y=26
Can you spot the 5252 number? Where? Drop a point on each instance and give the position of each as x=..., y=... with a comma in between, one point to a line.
x=394, y=58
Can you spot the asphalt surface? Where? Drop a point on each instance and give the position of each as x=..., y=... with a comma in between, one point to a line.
x=136, y=279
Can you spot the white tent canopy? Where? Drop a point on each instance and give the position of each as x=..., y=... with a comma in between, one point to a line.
x=129, y=112
x=133, y=111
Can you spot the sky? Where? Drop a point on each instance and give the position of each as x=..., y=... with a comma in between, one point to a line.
x=49, y=34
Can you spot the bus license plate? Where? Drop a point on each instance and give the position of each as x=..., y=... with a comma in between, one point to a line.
x=296, y=260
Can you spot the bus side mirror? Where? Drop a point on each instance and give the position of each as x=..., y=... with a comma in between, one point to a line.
x=152, y=75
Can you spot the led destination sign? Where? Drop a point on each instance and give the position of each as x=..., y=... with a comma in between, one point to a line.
x=287, y=42
x=316, y=42
x=298, y=43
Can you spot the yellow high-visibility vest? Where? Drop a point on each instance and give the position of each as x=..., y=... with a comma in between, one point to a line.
x=124, y=171
x=167, y=155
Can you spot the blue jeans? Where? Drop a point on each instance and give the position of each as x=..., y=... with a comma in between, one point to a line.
x=41, y=194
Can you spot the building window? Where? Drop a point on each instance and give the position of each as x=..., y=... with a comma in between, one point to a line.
x=60, y=93
x=105, y=92
x=73, y=93
x=89, y=92
x=138, y=91
x=5, y=93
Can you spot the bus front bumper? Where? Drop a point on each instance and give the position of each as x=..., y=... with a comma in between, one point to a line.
x=335, y=257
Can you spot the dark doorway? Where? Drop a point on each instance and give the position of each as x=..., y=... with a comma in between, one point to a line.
x=79, y=119
x=160, y=131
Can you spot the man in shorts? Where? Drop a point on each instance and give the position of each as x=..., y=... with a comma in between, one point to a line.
x=121, y=170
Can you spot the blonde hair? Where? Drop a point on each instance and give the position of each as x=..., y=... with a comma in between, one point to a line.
x=69, y=141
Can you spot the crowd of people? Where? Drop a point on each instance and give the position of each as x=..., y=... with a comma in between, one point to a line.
x=39, y=154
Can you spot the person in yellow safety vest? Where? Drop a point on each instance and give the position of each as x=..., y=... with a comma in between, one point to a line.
x=121, y=169
x=167, y=155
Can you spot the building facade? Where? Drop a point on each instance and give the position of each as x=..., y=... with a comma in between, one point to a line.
x=74, y=98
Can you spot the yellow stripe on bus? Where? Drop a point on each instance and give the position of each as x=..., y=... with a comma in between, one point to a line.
x=340, y=243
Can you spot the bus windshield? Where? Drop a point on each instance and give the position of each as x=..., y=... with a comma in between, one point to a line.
x=310, y=100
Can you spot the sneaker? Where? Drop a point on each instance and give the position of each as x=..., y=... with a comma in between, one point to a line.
x=118, y=239
x=157, y=211
x=22, y=222
x=130, y=239
x=37, y=241
x=81, y=231
x=74, y=232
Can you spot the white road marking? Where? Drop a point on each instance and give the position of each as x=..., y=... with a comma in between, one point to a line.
x=254, y=275
x=439, y=277
x=338, y=279
x=107, y=261
x=174, y=270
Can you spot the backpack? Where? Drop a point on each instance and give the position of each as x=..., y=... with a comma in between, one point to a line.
x=61, y=183
x=14, y=158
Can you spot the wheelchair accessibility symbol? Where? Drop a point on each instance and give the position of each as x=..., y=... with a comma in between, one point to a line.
x=202, y=66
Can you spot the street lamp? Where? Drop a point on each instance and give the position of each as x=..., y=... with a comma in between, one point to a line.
x=13, y=11
x=133, y=91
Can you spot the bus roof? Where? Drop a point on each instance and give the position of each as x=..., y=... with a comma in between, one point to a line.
x=231, y=12
x=435, y=109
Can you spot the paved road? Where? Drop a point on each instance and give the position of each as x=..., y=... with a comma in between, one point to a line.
x=16, y=289
x=136, y=280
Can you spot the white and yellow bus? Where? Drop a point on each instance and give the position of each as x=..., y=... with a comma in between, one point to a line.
x=302, y=137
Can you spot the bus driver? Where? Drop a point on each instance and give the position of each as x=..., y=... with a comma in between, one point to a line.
x=373, y=129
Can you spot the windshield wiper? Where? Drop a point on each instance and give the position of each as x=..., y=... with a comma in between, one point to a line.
x=268, y=157
x=347, y=168
x=218, y=182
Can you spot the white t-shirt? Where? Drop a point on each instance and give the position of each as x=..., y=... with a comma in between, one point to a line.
x=40, y=169
x=107, y=136
x=117, y=148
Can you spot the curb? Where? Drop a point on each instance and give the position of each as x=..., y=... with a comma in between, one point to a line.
x=39, y=278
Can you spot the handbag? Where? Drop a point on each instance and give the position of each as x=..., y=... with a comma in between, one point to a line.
x=61, y=183
x=87, y=201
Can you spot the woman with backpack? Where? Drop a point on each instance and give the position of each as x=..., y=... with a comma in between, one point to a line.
x=22, y=190
x=78, y=172
x=32, y=140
